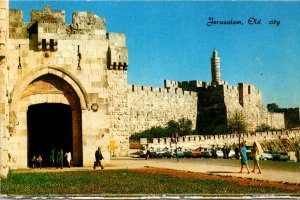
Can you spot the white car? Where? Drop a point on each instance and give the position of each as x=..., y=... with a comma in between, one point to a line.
x=266, y=156
x=220, y=153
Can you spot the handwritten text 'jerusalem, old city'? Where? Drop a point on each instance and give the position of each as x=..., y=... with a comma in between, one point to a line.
x=250, y=21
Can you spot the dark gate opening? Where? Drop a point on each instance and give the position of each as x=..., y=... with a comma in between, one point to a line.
x=49, y=126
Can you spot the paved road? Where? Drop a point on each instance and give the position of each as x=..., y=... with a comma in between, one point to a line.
x=199, y=165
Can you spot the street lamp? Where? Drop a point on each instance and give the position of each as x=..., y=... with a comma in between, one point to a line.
x=238, y=129
x=175, y=136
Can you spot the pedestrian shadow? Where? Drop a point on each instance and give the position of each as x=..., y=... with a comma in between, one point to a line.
x=223, y=172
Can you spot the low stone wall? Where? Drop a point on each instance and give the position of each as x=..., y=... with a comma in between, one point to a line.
x=195, y=141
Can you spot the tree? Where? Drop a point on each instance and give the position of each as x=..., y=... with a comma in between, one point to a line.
x=172, y=126
x=237, y=123
x=273, y=107
x=185, y=126
x=263, y=127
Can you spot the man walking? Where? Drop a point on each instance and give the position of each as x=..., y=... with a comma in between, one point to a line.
x=52, y=157
x=98, y=157
x=60, y=159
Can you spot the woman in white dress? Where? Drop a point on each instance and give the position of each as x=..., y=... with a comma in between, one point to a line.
x=256, y=151
x=69, y=158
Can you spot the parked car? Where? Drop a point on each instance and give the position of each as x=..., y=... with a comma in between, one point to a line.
x=152, y=153
x=180, y=153
x=206, y=153
x=196, y=153
x=187, y=153
x=170, y=153
x=160, y=153
x=249, y=152
x=280, y=156
x=231, y=154
x=219, y=153
x=139, y=154
x=266, y=156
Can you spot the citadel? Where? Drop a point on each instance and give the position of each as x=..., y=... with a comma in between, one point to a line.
x=65, y=86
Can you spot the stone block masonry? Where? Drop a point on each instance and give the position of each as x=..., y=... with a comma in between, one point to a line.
x=4, y=135
x=151, y=106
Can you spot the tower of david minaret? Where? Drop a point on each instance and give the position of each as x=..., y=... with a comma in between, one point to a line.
x=3, y=95
x=215, y=68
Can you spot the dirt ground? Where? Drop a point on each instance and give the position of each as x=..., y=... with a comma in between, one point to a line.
x=239, y=180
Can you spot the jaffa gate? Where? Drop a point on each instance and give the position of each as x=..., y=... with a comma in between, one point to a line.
x=65, y=86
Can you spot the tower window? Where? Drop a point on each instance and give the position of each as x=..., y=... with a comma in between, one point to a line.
x=249, y=91
x=51, y=44
x=44, y=44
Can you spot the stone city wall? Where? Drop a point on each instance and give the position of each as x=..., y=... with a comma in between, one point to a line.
x=276, y=120
x=250, y=99
x=117, y=62
x=231, y=99
x=152, y=106
x=118, y=111
x=4, y=135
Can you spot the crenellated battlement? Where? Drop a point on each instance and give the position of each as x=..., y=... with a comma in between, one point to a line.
x=290, y=109
x=52, y=23
x=117, y=54
x=204, y=141
x=251, y=89
x=193, y=85
x=157, y=90
x=171, y=84
x=47, y=30
x=249, y=95
x=231, y=88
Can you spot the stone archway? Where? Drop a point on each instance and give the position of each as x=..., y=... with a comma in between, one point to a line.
x=51, y=89
x=48, y=88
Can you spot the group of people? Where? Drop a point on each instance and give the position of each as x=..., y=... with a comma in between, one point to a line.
x=226, y=150
x=57, y=158
x=244, y=159
x=36, y=161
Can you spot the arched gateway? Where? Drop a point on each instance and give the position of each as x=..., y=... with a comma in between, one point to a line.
x=46, y=112
x=61, y=85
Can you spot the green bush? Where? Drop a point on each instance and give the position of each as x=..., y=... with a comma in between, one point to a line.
x=182, y=127
x=262, y=128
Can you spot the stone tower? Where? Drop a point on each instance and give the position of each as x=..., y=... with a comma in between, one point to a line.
x=215, y=68
x=4, y=10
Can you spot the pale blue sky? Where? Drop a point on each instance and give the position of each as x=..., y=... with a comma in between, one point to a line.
x=171, y=40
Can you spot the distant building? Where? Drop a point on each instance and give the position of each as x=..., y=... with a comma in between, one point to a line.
x=218, y=102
